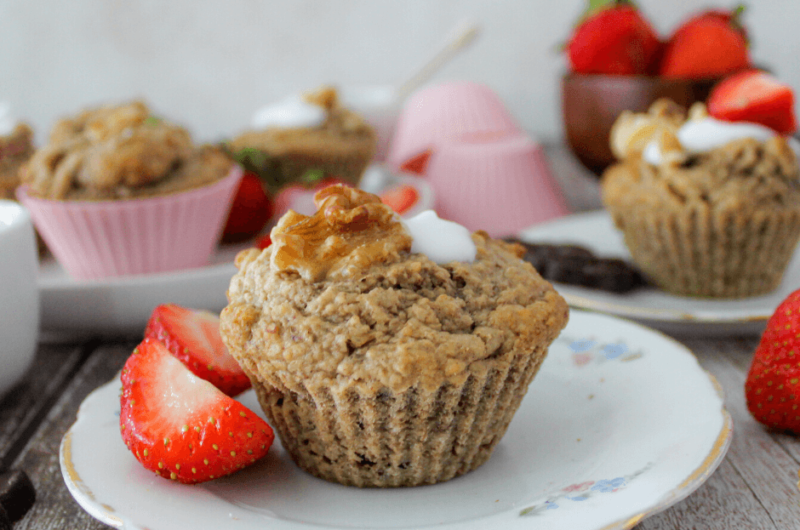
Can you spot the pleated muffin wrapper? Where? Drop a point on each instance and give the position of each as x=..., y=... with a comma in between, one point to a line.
x=99, y=239
x=706, y=252
x=371, y=436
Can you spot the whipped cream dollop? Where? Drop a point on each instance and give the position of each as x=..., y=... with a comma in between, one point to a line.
x=292, y=112
x=7, y=122
x=441, y=240
x=703, y=135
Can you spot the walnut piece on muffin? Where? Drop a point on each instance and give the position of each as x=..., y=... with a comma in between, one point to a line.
x=378, y=366
x=721, y=222
x=120, y=152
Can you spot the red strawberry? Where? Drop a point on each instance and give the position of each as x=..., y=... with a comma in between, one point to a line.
x=732, y=17
x=193, y=337
x=250, y=211
x=182, y=427
x=614, y=40
x=417, y=164
x=401, y=198
x=772, y=388
x=263, y=242
x=705, y=47
x=755, y=97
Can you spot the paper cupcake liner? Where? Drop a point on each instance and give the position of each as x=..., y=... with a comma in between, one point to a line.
x=101, y=239
x=501, y=187
x=449, y=112
x=700, y=252
x=371, y=437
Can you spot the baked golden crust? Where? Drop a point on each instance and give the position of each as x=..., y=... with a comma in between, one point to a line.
x=119, y=152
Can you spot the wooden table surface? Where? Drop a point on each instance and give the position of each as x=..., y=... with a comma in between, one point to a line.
x=755, y=487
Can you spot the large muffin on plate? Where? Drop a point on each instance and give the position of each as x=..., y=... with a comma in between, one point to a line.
x=722, y=222
x=376, y=365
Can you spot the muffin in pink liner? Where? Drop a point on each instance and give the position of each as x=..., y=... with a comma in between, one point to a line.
x=449, y=112
x=117, y=191
x=98, y=239
x=499, y=186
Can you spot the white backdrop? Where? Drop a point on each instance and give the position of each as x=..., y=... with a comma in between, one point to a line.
x=209, y=63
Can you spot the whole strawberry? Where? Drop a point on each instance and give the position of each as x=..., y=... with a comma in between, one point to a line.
x=613, y=38
x=711, y=44
x=772, y=388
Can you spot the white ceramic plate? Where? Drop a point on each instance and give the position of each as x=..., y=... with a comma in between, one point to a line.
x=620, y=423
x=121, y=306
x=651, y=306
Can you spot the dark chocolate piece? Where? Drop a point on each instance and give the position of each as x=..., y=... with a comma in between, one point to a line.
x=575, y=265
x=17, y=494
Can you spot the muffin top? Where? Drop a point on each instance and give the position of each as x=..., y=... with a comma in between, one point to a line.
x=120, y=152
x=755, y=169
x=339, y=299
x=339, y=131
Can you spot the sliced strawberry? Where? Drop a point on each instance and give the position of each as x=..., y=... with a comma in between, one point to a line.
x=755, y=97
x=250, y=210
x=193, y=337
x=401, y=198
x=182, y=427
x=417, y=164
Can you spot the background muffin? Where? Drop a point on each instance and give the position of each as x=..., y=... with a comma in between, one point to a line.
x=117, y=191
x=379, y=367
x=341, y=144
x=722, y=222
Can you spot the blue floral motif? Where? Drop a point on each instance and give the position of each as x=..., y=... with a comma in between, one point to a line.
x=550, y=505
x=607, y=486
x=612, y=351
x=582, y=345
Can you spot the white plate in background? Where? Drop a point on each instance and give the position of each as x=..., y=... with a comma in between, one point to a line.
x=654, y=307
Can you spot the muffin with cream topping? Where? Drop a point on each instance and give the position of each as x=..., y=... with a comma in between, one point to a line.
x=310, y=134
x=117, y=191
x=382, y=357
x=708, y=208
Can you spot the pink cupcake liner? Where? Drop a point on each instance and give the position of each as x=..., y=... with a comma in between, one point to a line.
x=501, y=186
x=449, y=112
x=93, y=240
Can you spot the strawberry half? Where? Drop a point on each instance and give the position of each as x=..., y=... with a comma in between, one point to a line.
x=772, y=387
x=755, y=97
x=193, y=337
x=401, y=198
x=180, y=426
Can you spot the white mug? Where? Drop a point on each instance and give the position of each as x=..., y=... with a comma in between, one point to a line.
x=19, y=293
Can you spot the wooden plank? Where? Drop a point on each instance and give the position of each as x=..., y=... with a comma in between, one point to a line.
x=27, y=403
x=755, y=453
x=55, y=508
x=724, y=502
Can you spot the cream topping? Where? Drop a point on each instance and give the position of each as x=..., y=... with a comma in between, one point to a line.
x=440, y=240
x=292, y=112
x=7, y=122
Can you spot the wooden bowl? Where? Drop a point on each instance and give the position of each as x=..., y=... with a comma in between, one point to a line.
x=591, y=103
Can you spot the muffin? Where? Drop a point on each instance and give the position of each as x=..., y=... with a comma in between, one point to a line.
x=117, y=191
x=707, y=208
x=314, y=134
x=15, y=149
x=377, y=365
